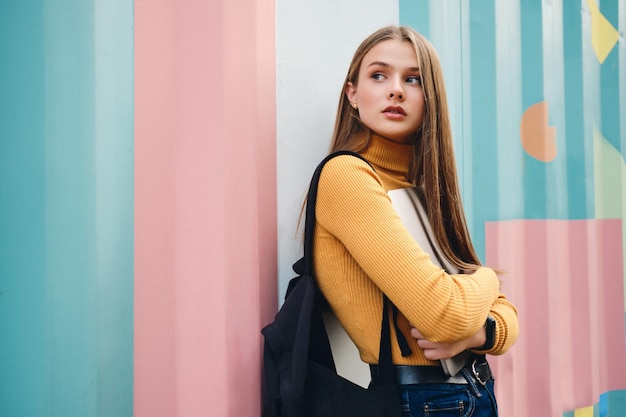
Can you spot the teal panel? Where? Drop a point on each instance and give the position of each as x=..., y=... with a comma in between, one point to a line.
x=553, y=74
x=532, y=51
x=612, y=403
x=415, y=14
x=66, y=208
x=609, y=83
x=535, y=171
x=580, y=193
x=22, y=210
x=483, y=200
x=70, y=303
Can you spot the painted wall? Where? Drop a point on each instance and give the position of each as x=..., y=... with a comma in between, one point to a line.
x=205, y=207
x=538, y=90
x=154, y=157
x=137, y=206
x=66, y=208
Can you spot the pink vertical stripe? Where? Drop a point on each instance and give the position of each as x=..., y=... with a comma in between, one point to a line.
x=566, y=278
x=205, y=250
x=154, y=366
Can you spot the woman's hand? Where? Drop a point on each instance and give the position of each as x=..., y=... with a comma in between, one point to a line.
x=436, y=351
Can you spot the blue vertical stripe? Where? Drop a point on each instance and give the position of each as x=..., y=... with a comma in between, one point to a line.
x=591, y=108
x=483, y=139
x=578, y=194
x=70, y=348
x=554, y=95
x=532, y=93
x=66, y=259
x=508, y=98
x=621, y=51
x=610, y=123
x=416, y=14
x=22, y=209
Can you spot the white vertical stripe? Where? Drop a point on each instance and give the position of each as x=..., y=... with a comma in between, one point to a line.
x=113, y=166
x=509, y=107
x=554, y=94
x=315, y=43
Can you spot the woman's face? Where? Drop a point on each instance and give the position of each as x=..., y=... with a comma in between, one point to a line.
x=388, y=92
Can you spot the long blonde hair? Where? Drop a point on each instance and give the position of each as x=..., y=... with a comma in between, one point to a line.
x=432, y=166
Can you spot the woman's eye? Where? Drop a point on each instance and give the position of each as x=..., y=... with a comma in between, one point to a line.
x=378, y=77
x=414, y=79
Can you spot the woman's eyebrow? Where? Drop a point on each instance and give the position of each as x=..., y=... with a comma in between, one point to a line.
x=379, y=63
x=386, y=65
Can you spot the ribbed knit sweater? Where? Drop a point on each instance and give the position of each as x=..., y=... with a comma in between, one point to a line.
x=361, y=248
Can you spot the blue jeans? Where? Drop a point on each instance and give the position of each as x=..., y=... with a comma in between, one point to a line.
x=448, y=400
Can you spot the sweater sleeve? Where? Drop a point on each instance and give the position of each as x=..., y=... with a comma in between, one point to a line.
x=507, y=326
x=353, y=206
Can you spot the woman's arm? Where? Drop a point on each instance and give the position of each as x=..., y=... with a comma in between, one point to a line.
x=353, y=206
x=506, y=332
x=507, y=327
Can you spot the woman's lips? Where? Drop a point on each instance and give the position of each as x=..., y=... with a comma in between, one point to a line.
x=394, y=112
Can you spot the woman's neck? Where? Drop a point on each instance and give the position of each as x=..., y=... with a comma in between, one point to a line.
x=390, y=159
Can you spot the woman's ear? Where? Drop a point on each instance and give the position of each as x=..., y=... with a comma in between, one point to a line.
x=350, y=91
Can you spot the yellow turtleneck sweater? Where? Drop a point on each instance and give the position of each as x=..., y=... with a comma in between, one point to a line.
x=361, y=247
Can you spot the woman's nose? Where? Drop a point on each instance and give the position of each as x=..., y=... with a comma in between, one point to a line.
x=396, y=90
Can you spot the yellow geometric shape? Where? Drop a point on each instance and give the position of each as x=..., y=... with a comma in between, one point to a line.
x=583, y=412
x=538, y=138
x=603, y=35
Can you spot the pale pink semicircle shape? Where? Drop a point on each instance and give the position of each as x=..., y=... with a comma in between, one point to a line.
x=538, y=138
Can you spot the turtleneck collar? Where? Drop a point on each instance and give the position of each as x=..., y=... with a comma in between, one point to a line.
x=391, y=161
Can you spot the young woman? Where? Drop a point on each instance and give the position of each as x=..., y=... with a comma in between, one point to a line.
x=393, y=111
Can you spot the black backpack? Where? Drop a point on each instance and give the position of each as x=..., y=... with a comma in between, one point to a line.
x=299, y=374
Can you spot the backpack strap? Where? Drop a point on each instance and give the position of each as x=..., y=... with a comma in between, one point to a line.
x=320, y=350
x=309, y=225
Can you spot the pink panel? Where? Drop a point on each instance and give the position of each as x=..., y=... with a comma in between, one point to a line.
x=154, y=365
x=205, y=239
x=566, y=279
